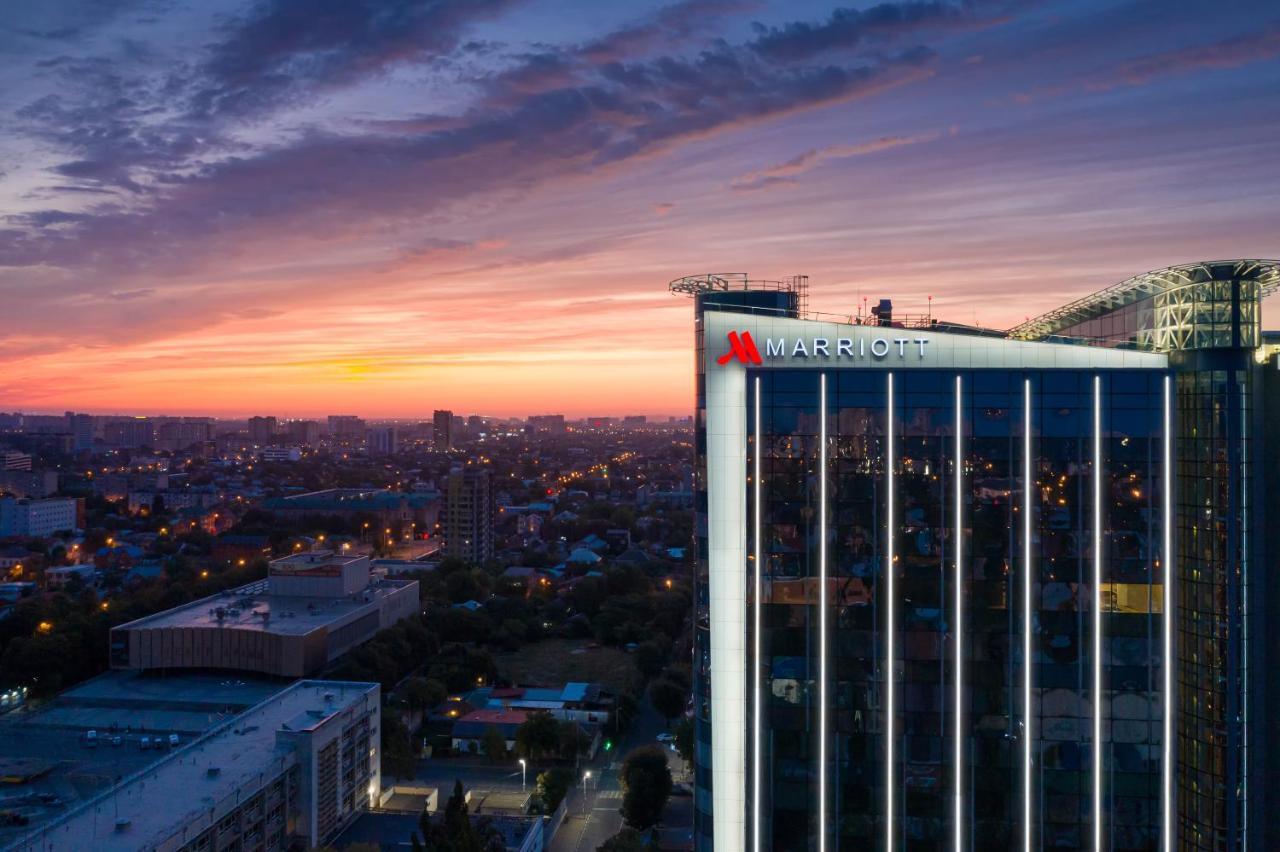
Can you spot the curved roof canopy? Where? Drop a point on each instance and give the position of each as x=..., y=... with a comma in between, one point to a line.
x=1147, y=286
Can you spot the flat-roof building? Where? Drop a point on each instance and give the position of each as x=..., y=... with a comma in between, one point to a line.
x=389, y=508
x=37, y=518
x=961, y=588
x=290, y=772
x=312, y=608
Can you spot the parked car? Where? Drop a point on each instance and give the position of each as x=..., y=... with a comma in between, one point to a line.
x=666, y=738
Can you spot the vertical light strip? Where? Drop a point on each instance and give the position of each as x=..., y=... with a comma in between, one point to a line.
x=1098, y=761
x=889, y=635
x=1167, y=555
x=1243, y=796
x=1028, y=731
x=757, y=708
x=822, y=616
x=958, y=616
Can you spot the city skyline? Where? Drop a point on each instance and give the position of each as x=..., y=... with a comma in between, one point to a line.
x=232, y=209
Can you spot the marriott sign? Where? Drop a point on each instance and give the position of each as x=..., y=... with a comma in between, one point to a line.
x=743, y=348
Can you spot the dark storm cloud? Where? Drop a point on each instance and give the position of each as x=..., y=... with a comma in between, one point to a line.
x=110, y=121
x=667, y=28
x=665, y=31
x=847, y=28
x=131, y=121
x=66, y=20
x=282, y=49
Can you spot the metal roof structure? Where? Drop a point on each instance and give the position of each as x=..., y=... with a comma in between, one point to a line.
x=692, y=285
x=1146, y=286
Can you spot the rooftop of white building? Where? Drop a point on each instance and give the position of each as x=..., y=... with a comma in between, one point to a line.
x=181, y=791
x=251, y=607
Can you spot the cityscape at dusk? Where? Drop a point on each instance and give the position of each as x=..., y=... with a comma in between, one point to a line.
x=639, y=425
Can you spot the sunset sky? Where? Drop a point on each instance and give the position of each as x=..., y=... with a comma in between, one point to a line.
x=377, y=207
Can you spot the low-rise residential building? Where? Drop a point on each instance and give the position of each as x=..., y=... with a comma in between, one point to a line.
x=170, y=501
x=587, y=703
x=14, y=556
x=469, y=731
x=63, y=575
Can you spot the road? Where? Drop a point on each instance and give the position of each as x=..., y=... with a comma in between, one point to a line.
x=589, y=824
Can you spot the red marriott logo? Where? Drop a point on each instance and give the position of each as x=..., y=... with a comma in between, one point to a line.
x=741, y=347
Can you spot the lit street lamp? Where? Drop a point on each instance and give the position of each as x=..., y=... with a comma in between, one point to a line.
x=523, y=767
x=585, y=776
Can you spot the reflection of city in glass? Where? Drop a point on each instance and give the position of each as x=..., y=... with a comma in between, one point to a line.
x=992, y=499
x=951, y=614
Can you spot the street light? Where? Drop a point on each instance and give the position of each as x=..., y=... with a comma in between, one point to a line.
x=585, y=776
x=523, y=766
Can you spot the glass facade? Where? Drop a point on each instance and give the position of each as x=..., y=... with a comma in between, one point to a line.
x=988, y=521
x=1208, y=315
x=1215, y=468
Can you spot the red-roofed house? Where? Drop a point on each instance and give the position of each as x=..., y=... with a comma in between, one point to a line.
x=468, y=732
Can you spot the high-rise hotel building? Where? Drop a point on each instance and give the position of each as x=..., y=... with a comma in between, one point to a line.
x=968, y=589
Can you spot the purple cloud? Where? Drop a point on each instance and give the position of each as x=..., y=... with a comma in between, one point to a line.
x=324, y=183
x=787, y=172
x=283, y=51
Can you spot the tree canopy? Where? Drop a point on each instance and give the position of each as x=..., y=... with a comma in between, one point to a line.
x=538, y=736
x=646, y=786
x=455, y=831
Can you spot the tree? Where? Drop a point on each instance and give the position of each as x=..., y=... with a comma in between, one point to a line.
x=668, y=697
x=684, y=740
x=552, y=786
x=537, y=736
x=423, y=693
x=494, y=744
x=398, y=759
x=455, y=832
x=627, y=840
x=646, y=786
x=573, y=740
x=650, y=657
